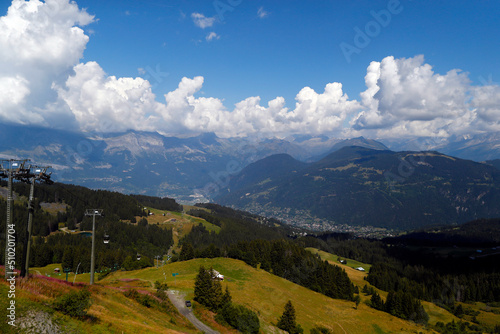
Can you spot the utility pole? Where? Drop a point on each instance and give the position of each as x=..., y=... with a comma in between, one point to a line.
x=40, y=173
x=93, y=213
x=15, y=170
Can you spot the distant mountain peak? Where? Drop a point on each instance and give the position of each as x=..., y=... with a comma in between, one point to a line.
x=354, y=142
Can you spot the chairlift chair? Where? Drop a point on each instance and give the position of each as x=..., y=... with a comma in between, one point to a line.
x=106, y=235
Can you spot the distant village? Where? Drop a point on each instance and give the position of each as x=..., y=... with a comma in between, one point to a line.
x=304, y=219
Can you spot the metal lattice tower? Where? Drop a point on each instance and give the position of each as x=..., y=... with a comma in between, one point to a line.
x=36, y=174
x=15, y=170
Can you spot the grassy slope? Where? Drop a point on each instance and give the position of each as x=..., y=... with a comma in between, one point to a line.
x=48, y=271
x=181, y=226
x=436, y=313
x=267, y=294
x=111, y=311
x=333, y=259
x=181, y=218
x=357, y=277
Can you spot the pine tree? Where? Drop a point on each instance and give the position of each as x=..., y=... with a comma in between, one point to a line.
x=377, y=302
x=215, y=295
x=357, y=300
x=287, y=320
x=226, y=298
x=187, y=252
x=203, y=286
x=67, y=258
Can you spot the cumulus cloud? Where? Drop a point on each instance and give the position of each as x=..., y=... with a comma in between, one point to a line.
x=404, y=97
x=43, y=82
x=105, y=103
x=39, y=44
x=202, y=21
x=486, y=101
x=314, y=113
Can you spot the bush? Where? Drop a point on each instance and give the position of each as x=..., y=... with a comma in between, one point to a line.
x=74, y=304
x=161, y=290
x=103, y=275
x=239, y=317
x=143, y=299
x=320, y=330
x=161, y=286
x=132, y=294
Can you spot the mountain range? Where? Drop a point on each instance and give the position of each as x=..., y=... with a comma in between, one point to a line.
x=195, y=168
x=190, y=169
x=359, y=186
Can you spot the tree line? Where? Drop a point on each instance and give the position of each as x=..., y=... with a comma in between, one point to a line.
x=400, y=304
x=126, y=240
x=208, y=292
x=285, y=259
x=419, y=269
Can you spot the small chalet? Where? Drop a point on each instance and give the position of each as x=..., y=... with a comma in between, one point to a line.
x=217, y=275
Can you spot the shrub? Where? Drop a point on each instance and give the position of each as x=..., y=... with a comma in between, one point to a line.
x=320, y=330
x=142, y=298
x=161, y=286
x=74, y=304
x=103, y=275
x=239, y=317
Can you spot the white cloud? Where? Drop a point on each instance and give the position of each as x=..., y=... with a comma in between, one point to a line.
x=261, y=13
x=106, y=103
x=39, y=44
x=212, y=36
x=43, y=82
x=314, y=113
x=486, y=101
x=405, y=97
x=202, y=21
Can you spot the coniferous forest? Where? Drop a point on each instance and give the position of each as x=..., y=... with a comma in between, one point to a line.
x=427, y=265
x=74, y=250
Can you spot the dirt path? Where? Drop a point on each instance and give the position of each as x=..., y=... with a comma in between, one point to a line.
x=178, y=300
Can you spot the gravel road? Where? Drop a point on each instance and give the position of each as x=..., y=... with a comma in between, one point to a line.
x=178, y=300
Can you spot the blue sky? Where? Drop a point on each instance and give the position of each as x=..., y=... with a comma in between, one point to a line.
x=296, y=44
x=274, y=49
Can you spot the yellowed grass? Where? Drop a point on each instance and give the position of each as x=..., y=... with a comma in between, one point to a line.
x=435, y=313
x=267, y=294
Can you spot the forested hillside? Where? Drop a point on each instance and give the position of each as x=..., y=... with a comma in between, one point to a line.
x=441, y=268
x=67, y=205
x=358, y=186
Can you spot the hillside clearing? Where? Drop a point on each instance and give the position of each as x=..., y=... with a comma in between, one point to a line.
x=267, y=294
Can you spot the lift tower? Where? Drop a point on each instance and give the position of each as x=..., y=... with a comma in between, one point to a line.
x=11, y=169
x=36, y=174
x=93, y=213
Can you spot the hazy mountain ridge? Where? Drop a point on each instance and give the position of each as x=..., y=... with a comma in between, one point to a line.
x=147, y=162
x=478, y=147
x=360, y=186
x=190, y=168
